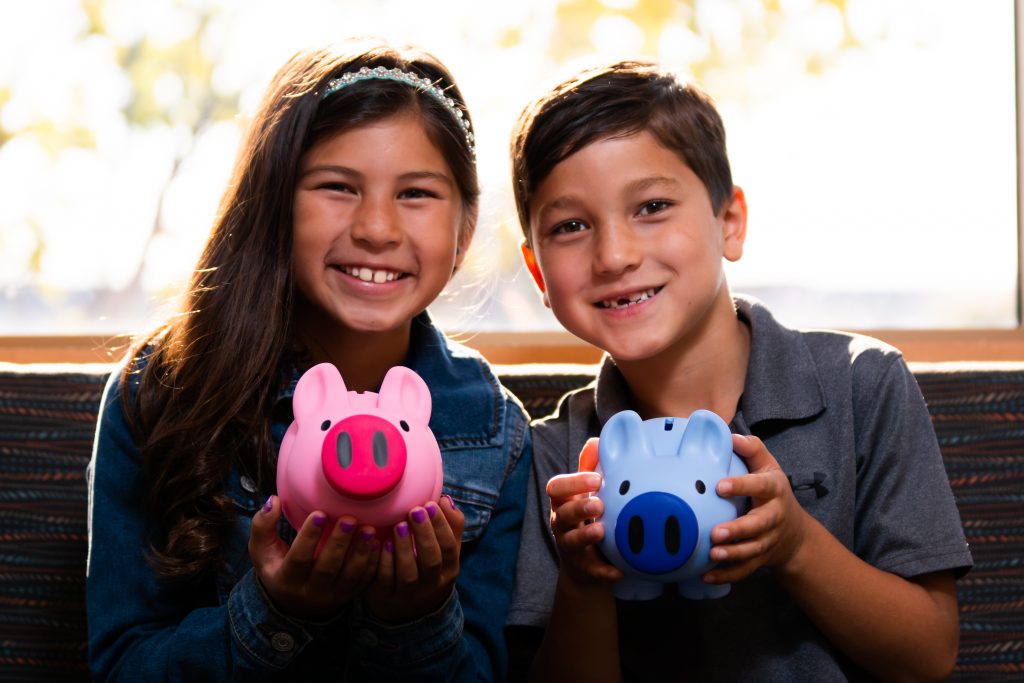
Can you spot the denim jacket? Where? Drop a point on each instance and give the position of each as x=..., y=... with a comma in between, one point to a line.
x=227, y=629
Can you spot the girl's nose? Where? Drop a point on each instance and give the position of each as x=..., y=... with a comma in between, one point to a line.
x=376, y=223
x=617, y=249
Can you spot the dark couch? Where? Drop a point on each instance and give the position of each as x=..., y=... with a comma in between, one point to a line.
x=48, y=412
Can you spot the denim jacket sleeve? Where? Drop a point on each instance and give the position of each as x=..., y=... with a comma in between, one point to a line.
x=464, y=639
x=143, y=629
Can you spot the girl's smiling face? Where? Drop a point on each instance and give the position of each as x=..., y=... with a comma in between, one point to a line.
x=630, y=249
x=377, y=217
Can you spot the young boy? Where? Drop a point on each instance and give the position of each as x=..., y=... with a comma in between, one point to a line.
x=844, y=567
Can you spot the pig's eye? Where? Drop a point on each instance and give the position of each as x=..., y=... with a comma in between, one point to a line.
x=701, y=488
x=325, y=425
x=624, y=487
x=404, y=425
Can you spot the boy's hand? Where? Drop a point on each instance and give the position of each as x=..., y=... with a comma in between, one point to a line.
x=572, y=505
x=419, y=565
x=302, y=583
x=772, y=532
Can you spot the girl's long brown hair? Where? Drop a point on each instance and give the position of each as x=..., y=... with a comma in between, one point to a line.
x=212, y=371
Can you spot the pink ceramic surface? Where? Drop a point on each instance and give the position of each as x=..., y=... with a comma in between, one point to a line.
x=370, y=456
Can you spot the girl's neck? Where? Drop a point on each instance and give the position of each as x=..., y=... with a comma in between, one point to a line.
x=708, y=372
x=362, y=358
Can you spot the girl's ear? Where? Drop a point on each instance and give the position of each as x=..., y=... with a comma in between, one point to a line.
x=531, y=265
x=734, y=225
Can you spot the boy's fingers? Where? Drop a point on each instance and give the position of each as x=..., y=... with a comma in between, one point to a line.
x=761, y=486
x=563, y=486
x=588, y=455
x=574, y=513
x=754, y=452
x=581, y=538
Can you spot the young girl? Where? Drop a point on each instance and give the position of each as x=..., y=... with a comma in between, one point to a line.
x=353, y=201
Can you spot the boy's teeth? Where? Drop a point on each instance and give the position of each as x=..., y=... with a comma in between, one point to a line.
x=368, y=275
x=622, y=302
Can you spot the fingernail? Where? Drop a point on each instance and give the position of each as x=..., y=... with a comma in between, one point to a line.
x=389, y=547
x=431, y=509
x=592, y=480
x=376, y=544
x=365, y=534
x=719, y=535
x=451, y=501
x=724, y=487
x=347, y=526
x=419, y=515
x=590, y=507
x=718, y=554
x=402, y=528
x=319, y=518
x=269, y=505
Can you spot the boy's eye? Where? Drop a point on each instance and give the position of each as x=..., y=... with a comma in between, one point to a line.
x=567, y=227
x=653, y=207
x=416, y=193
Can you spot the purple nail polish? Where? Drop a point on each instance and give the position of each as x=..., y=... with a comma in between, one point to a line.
x=319, y=518
x=419, y=515
x=451, y=501
x=402, y=528
x=347, y=526
x=365, y=534
x=269, y=505
x=431, y=509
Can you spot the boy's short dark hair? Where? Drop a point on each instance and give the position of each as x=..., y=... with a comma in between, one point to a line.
x=620, y=99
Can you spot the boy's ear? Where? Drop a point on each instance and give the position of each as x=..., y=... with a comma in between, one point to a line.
x=531, y=265
x=734, y=225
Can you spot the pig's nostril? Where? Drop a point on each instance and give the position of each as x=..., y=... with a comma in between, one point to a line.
x=636, y=534
x=672, y=535
x=344, y=450
x=380, y=449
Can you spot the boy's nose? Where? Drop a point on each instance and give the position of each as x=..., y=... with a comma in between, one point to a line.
x=617, y=249
x=376, y=223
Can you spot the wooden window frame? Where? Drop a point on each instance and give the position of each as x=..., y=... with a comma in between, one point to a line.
x=561, y=347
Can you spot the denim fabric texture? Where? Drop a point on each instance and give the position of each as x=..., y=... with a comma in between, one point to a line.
x=226, y=629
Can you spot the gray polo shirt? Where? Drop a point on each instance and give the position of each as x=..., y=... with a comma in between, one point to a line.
x=845, y=419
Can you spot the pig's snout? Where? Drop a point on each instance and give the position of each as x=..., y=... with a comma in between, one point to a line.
x=363, y=456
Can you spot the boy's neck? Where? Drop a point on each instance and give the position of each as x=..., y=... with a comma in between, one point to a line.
x=708, y=374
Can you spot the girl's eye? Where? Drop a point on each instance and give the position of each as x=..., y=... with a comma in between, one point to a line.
x=336, y=187
x=567, y=227
x=653, y=207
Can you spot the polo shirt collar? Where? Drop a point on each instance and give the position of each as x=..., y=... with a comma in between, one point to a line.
x=782, y=380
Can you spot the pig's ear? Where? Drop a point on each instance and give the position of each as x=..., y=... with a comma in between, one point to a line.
x=707, y=434
x=623, y=441
x=405, y=392
x=319, y=387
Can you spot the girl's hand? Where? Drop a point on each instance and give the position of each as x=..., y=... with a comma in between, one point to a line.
x=418, y=567
x=573, y=511
x=302, y=583
x=774, y=529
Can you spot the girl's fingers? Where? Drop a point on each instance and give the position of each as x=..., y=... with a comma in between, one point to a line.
x=384, y=580
x=447, y=541
x=429, y=558
x=299, y=559
x=333, y=553
x=406, y=573
x=263, y=538
x=359, y=558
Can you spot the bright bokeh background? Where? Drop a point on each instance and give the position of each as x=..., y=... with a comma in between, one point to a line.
x=875, y=140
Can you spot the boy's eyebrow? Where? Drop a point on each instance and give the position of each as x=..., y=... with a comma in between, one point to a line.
x=571, y=200
x=652, y=181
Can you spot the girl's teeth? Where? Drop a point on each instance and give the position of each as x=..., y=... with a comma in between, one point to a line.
x=368, y=275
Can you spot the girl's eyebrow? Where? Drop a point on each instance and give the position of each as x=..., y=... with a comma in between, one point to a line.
x=411, y=175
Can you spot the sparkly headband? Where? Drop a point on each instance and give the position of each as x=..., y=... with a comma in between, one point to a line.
x=422, y=84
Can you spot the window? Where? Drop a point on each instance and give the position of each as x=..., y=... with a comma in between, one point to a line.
x=875, y=139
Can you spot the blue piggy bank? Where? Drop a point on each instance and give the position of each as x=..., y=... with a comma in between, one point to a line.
x=658, y=489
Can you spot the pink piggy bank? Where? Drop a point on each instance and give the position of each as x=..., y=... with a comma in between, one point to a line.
x=370, y=456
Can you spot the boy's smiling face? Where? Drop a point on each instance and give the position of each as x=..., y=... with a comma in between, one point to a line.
x=630, y=249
